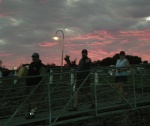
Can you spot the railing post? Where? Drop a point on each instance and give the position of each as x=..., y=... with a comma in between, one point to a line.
x=141, y=81
x=96, y=78
x=15, y=74
x=72, y=83
x=133, y=81
x=72, y=80
x=0, y=76
x=49, y=102
x=95, y=92
x=51, y=77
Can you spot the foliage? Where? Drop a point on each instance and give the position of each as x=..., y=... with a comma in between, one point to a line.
x=104, y=62
x=51, y=65
x=112, y=60
x=145, y=62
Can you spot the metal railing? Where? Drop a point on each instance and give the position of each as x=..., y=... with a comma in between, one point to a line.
x=56, y=96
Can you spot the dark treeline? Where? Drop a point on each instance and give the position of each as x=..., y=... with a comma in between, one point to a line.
x=112, y=61
x=104, y=62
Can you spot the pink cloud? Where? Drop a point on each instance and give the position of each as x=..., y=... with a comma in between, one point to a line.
x=124, y=41
x=96, y=35
x=3, y=15
x=4, y=54
x=140, y=33
x=47, y=44
x=9, y=14
x=100, y=44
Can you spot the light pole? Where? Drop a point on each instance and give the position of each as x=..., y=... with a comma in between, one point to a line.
x=62, y=54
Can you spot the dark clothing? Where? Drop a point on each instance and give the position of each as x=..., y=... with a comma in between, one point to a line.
x=83, y=65
x=83, y=70
x=121, y=79
x=34, y=70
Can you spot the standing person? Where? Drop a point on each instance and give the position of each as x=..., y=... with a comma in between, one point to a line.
x=36, y=68
x=70, y=63
x=83, y=70
x=122, y=65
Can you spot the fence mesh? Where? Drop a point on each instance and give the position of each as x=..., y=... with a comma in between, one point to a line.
x=55, y=96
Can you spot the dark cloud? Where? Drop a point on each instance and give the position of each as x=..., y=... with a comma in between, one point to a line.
x=27, y=26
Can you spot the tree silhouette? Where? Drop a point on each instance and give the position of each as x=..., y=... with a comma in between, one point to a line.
x=107, y=61
x=145, y=62
x=104, y=62
x=96, y=63
x=112, y=60
x=50, y=65
x=134, y=59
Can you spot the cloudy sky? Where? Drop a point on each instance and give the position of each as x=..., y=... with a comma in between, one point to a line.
x=104, y=27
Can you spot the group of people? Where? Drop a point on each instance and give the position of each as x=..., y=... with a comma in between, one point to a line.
x=83, y=79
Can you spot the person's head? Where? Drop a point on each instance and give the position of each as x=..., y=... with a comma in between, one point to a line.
x=35, y=57
x=84, y=53
x=122, y=55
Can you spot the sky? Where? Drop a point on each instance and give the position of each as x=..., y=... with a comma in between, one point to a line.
x=103, y=27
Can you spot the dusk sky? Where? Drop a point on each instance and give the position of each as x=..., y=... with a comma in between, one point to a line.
x=103, y=27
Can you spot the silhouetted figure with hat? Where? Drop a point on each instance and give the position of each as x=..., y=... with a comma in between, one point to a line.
x=83, y=70
x=36, y=68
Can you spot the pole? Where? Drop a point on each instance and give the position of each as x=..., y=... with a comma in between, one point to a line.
x=62, y=53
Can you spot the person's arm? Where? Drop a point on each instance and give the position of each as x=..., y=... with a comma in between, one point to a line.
x=67, y=59
x=127, y=65
x=42, y=71
x=88, y=63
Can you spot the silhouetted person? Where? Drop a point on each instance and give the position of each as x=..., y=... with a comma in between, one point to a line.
x=70, y=63
x=83, y=70
x=36, y=68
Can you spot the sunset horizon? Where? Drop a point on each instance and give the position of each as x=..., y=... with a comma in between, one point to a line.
x=104, y=28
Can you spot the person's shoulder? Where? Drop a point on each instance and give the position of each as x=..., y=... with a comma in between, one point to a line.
x=126, y=60
x=88, y=58
x=42, y=64
x=118, y=60
x=31, y=64
x=81, y=60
